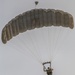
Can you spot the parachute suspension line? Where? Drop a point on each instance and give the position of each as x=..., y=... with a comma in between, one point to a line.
x=34, y=50
x=21, y=51
x=49, y=44
x=38, y=49
x=60, y=40
x=45, y=43
x=30, y=51
x=35, y=45
x=16, y=48
x=55, y=41
x=51, y=41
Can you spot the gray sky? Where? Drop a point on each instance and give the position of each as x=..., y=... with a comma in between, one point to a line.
x=14, y=57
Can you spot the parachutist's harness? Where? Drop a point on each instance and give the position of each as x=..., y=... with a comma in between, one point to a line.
x=49, y=69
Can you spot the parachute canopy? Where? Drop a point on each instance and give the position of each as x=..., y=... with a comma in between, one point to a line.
x=36, y=18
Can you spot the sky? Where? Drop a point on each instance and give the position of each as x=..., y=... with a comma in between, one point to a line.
x=15, y=59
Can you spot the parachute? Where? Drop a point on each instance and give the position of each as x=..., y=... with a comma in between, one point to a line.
x=36, y=18
x=47, y=25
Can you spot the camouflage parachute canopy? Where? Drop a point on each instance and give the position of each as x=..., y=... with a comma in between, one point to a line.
x=36, y=18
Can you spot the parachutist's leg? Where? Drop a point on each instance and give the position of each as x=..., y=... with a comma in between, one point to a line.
x=49, y=73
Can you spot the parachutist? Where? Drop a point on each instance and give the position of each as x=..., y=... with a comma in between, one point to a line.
x=36, y=2
x=49, y=69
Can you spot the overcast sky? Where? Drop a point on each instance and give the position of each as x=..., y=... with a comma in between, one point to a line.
x=15, y=62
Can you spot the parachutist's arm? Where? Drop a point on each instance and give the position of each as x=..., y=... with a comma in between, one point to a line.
x=44, y=68
x=46, y=63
